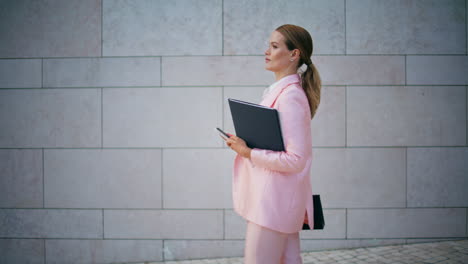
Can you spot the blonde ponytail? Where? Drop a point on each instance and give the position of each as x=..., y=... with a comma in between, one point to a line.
x=311, y=83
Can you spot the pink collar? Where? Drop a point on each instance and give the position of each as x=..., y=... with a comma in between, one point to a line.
x=281, y=84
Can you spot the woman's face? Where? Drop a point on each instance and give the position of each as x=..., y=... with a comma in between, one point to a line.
x=277, y=56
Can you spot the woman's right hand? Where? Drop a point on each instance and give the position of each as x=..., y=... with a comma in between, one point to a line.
x=238, y=145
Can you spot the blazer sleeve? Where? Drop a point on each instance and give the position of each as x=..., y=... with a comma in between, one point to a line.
x=295, y=121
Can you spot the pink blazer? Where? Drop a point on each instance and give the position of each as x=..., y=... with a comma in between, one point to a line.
x=272, y=188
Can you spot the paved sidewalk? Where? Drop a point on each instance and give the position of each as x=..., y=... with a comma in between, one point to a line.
x=446, y=252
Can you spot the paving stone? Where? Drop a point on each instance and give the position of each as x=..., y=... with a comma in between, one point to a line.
x=446, y=252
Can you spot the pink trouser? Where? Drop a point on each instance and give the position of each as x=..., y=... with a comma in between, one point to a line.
x=266, y=246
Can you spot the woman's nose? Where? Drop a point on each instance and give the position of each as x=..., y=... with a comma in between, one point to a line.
x=267, y=51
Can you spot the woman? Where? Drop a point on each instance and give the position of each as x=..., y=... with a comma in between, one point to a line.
x=271, y=189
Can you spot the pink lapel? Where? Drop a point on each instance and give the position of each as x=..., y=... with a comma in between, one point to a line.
x=271, y=97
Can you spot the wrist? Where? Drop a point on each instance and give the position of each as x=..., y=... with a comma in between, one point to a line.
x=246, y=152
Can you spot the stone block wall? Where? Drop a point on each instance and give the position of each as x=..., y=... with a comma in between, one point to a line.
x=107, y=110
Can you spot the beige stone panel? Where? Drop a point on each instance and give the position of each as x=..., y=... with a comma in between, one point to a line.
x=36, y=118
x=21, y=181
x=102, y=178
x=50, y=28
x=328, y=124
x=162, y=117
x=50, y=223
x=407, y=223
x=102, y=72
x=197, y=178
x=103, y=251
x=406, y=116
x=22, y=251
x=163, y=224
x=359, y=177
x=215, y=70
x=437, y=70
x=23, y=73
x=158, y=27
x=405, y=27
x=360, y=70
x=249, y=23
x=437, y=177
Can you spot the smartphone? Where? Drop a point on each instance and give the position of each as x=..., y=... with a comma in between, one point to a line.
x=223, y=134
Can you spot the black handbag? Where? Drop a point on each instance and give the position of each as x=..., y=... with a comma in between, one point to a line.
x=319, y=221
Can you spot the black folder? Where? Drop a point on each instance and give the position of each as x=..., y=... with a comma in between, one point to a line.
x=258, y=125
x=319, y=220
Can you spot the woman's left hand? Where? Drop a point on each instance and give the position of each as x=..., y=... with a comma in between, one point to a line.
x=238, y=145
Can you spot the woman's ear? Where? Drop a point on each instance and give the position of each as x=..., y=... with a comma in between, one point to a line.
x=296, y=54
